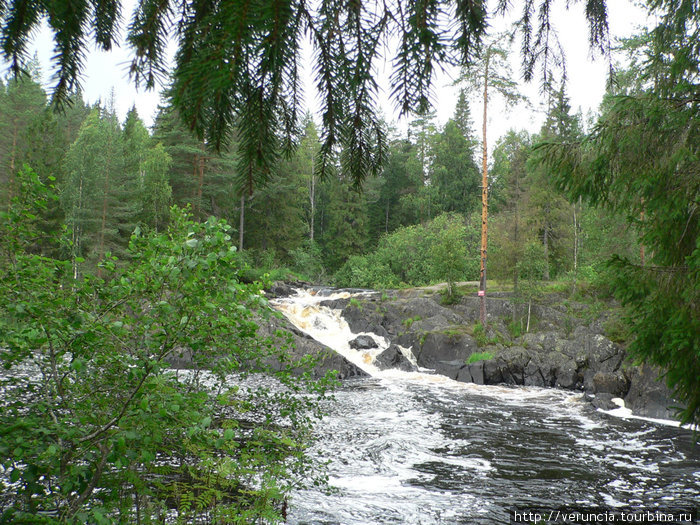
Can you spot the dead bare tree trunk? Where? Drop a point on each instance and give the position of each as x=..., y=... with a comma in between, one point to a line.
x=484, y=205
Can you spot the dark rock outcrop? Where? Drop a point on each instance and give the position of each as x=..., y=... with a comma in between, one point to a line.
x=648, y=394
x=363, y=342
x=565, y=351
x=393, y=358
x=304, y=345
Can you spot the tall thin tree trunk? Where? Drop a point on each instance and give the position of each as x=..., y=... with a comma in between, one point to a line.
x=546, y=252
x=312, y=197
x=484, y=205
x=641, y=246
x=573, y=289
x=241, y=224
x=11, y=174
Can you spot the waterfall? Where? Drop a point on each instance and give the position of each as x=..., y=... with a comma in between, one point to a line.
x=327, y=326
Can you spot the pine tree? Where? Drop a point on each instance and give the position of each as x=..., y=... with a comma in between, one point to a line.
x=199, y=177
x=22, y=108
x=548, y=207
x=455, y=175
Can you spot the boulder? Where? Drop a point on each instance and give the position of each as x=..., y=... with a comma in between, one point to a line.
x=279, y=289
x=648, y=393
x=604, y=401
x=392, y=358
x=368, y=318
x=614, y=383
x=445, y=352
x=363, y=342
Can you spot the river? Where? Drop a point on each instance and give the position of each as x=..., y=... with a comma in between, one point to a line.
x=418, y=448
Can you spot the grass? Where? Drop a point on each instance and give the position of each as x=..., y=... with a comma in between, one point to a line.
x=354, y=302
x=479, y=356
x=408, y=322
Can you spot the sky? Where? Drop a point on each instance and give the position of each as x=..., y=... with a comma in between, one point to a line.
x=587, y=76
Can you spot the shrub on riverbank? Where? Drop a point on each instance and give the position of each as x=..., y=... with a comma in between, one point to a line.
x=95, y=426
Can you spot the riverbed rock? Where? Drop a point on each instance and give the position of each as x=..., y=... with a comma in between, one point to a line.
x=648, y=393
x=393, y=359
x=604, y=401
x=445, y=351
x=565, y=349
x=363, y=342
x=303, y=345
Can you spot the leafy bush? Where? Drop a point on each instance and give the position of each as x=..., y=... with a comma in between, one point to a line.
x=307, y=261
x=101, y=430
x=366, y=271
x=450, y=295
x=444, y=249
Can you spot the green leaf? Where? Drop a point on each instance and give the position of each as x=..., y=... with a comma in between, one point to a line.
x=15, y=475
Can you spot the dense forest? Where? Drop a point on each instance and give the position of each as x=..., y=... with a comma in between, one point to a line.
x=416, y=222
x=123, y=245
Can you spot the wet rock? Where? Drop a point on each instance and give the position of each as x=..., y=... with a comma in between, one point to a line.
x=476, y=370
x=567, y=376
x=367, y=318
x=363, y=342
x=648, y=393
x=280, y=289
x=492, y=373
x=614, y=383
x=304, y=345
x=334, y=304
x=604, y=401
x=392, y=358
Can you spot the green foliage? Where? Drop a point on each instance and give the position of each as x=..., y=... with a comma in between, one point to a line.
x=642, y=161
x=444, y=249
x=307, y=261
x=237, y=66
x=366, y=271
x=96, y=428
x=515, y=328
x=479, y=356
x=616, y=329
x=531, y=271
x=450, y=295
x=408, y=322
x=454, y=173
x=479, y=333
x=483, y=339
x=355, y=303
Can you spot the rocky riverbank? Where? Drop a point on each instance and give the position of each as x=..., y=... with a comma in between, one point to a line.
x=568, y=346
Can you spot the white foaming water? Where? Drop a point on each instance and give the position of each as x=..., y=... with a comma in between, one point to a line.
x=421, y=448
x=327, y=326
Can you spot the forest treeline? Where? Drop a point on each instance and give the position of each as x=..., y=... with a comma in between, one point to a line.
x=415, y=223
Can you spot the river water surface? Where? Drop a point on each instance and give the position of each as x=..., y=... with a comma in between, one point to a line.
x=409, y=448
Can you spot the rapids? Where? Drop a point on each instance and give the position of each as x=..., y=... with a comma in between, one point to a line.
x=419, y=448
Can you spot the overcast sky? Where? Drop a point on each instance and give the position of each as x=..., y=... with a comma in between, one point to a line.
x=104, y=71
